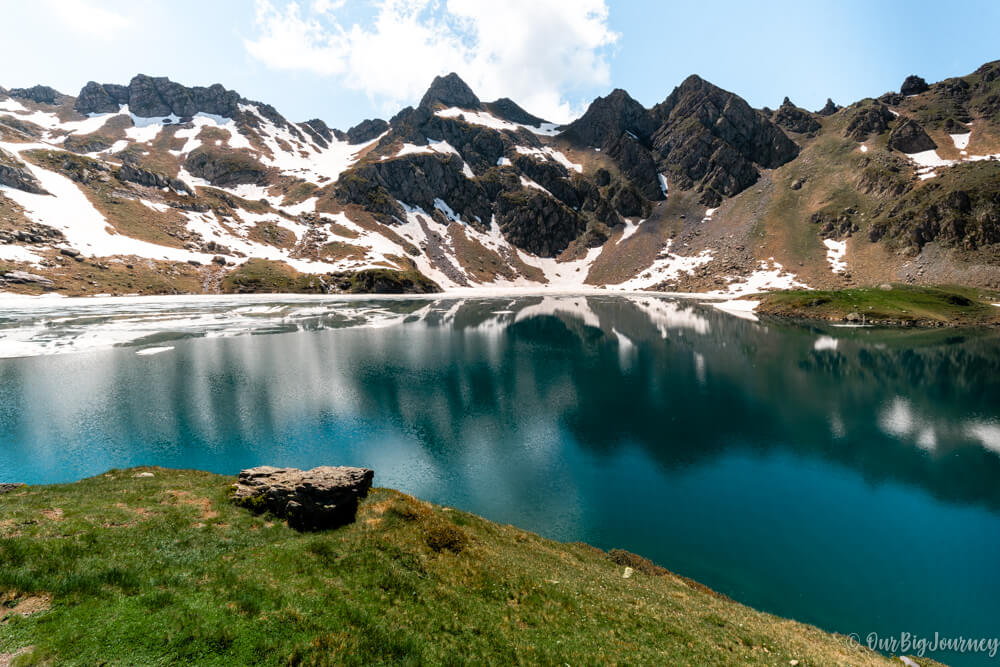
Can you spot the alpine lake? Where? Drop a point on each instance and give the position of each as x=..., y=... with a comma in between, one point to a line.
x=844, y=477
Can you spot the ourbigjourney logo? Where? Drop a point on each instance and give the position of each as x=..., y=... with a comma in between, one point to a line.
x=906, y=643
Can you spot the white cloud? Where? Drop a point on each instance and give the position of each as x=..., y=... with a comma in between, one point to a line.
x=538, y=52
x=87, y=18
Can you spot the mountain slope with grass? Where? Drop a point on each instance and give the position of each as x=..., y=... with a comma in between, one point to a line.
x=153, y=187
x=156, y=566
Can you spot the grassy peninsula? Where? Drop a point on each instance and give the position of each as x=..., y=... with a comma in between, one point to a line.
x=892, y=305
x=154, y=567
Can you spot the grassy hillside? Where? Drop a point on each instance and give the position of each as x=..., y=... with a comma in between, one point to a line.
x=129, y=569
x=890, y=304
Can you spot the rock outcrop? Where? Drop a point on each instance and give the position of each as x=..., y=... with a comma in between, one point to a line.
x=868, y=119
x=153, y=97
x=415, y=180
x=508, y=109
x=14, y=174
x=913, y=85
x=795, y=119
x=366, y=130
x=101, y=98
x=317, y=499
x=40, y=94
x=220, y=166
x=531, y=220
x=7, y=487
x=909, y=137
x=829, y=108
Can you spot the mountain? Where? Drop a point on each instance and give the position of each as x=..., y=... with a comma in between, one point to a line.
x=152, y=186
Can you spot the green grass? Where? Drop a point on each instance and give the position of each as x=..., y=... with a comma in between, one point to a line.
x=269, y=276
x=164, y=570
x=902, y=304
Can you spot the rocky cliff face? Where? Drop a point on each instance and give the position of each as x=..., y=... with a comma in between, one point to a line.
x=713, y=141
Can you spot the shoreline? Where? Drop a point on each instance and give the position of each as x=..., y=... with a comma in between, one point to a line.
x=13, y=298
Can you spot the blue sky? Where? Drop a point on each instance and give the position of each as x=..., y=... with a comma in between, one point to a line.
x=345, y=60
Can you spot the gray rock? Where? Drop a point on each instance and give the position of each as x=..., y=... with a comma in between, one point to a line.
x=317, y=499
x=97, y=98
x=366, y=130
x=913, y=85
x=23, y=277
x=14, y=174
x=40, y=94
x=867, y=120
x=158, y=96
x=134, y=174
x=7, y=487
x=909, y=137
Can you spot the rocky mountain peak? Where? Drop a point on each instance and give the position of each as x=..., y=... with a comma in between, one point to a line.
x=607, y=118
x=450, y=91
x=712, y=140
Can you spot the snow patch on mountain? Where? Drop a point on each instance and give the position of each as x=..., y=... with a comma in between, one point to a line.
x=487, y=119
x=85, y=229
x=667, y=266
x=835, y=251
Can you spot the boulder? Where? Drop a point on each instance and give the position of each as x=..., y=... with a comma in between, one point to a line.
x=13, y=174
x=8, y=487
x=317, y=499
x=23, y=278
x=909, y=137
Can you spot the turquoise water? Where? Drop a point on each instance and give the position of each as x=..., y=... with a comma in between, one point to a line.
x=848, y=478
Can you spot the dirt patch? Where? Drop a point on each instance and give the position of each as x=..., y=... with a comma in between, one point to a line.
x=14, y=604
x=185, y=498
x=141, y=512
x=7, y=658
x=54, y=514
